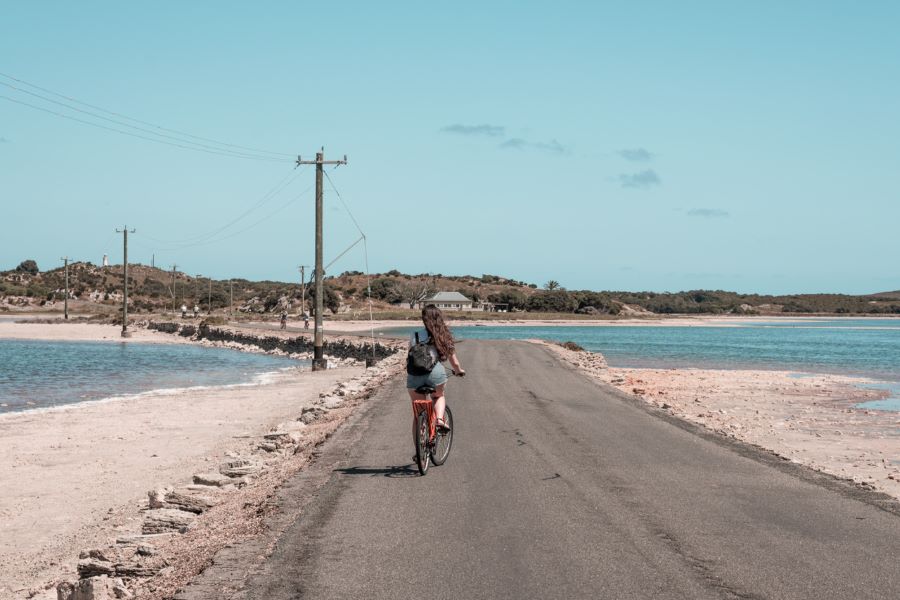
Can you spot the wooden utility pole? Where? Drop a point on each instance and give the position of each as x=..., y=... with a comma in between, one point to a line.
x=303, y=289
x=66, y=304
x=124, y=232
x=174, y=266
x=209, y=298
x=319, y=361
x=231, y=298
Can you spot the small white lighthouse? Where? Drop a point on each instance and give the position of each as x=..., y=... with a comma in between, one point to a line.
x=106, y=260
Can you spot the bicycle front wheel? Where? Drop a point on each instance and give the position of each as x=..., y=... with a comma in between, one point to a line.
x=443, y=441
x=422, y=435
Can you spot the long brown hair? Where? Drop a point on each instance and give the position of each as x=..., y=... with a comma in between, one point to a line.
x=438, y=331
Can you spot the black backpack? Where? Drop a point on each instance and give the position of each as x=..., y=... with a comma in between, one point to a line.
x=420, y=359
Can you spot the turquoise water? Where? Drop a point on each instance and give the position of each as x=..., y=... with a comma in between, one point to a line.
x=39, y=374
x=861, y=347
x=892, y=402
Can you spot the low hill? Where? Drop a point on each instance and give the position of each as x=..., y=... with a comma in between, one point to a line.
x=98, y=290
x=887, y=295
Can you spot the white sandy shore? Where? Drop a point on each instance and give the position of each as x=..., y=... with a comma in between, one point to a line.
x=810, y=419
x=650, y=321
x=82, y=332
x=73, y=477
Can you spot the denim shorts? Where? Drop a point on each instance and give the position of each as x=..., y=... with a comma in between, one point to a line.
x=438, y=376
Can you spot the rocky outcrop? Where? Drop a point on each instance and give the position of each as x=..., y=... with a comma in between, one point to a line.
x=162, y=520
x=100, y=587
x=239, y=467
x=179, y=501
x=211, y=479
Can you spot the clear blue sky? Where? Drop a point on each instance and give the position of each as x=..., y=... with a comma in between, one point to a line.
x=664, y=146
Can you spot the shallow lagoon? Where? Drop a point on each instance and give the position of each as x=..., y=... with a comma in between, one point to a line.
x=40, y=374
x=859, y=347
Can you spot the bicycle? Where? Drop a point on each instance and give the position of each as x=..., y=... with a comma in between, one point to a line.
x=432, y=445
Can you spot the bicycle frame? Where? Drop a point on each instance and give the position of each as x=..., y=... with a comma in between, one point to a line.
x=426, y=404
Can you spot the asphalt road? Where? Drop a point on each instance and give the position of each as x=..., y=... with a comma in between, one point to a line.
x=557, y=487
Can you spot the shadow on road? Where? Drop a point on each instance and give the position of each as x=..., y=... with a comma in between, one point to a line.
x=397, y=471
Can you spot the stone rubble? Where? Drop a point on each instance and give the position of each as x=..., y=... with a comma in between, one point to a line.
x=101, y=587
x=162, y=520
x=211, y=479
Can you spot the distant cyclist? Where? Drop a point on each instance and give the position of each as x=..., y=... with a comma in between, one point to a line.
x=437, y=337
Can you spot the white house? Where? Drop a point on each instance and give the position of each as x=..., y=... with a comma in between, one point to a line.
x=448, y=301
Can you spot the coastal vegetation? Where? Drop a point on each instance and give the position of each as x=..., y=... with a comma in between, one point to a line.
x=98, y=290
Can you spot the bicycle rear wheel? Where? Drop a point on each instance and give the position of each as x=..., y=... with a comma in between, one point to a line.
x=422, y=442
x=443, y=441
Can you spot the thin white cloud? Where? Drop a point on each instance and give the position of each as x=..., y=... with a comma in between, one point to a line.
x=475, y=130
x=552, y=147
x=636, y=154
x=641, y=180
x=708, y=213
x=515, y=143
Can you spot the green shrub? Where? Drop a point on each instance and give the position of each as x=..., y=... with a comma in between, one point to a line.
x=559, y=301
x=28, y=266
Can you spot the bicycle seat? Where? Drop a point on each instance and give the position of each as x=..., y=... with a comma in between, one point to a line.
x=425, y=389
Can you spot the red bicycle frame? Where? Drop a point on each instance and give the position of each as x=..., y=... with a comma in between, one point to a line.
x=426, y=404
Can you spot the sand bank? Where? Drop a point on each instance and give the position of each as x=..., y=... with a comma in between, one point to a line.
x=358, y=327
x=81, y=332
x=810, y=419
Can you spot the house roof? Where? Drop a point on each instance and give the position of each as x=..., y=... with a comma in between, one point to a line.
x=448, y=297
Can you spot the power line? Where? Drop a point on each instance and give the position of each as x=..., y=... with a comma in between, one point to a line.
x=160, y=127
x=123, y=124
x=362, y=238
x=235, y=233
x=348, y=249
x=347, y=208
x=137, y=135
x=274, y=191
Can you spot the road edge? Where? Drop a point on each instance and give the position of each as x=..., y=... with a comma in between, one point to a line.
x=846, y=487
x=233, y=566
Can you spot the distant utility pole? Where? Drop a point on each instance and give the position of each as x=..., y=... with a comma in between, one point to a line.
x=231, y=298
x=209, y=298
x=174, y=266
x=319, y=361
x=124, y=231
x=66, y=305
x=303, y=288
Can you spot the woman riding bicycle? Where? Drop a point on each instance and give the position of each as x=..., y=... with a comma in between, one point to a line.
x=437, y=336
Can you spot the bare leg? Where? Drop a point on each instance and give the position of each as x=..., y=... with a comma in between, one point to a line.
x=415, y=396
x=439, y=401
